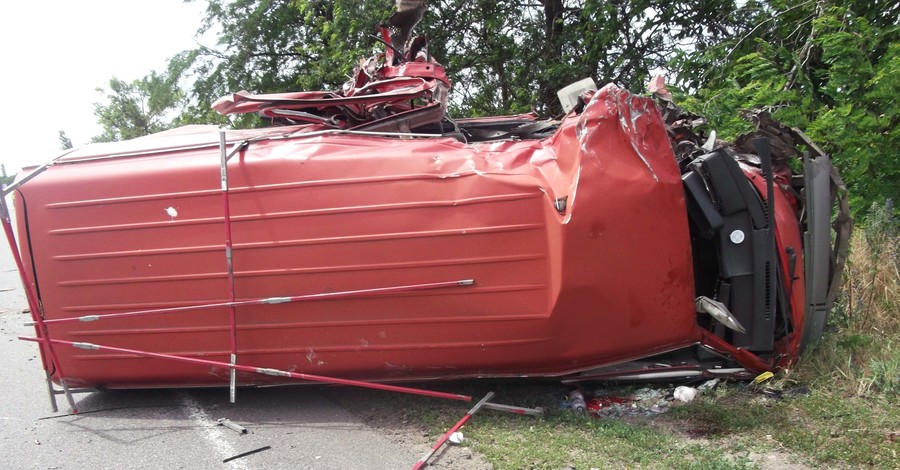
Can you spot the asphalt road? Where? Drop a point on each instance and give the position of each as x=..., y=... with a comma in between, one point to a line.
x=172, y=428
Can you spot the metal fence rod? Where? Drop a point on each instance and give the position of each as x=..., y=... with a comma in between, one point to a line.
x=34, y=306
x=258, y=370
x=271, y=301
x=229, y=261
x=437, y=445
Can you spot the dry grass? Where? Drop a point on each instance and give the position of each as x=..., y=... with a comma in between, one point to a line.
x=861, y=351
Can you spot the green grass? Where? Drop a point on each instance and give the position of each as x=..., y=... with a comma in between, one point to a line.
x=823, y=428
x=719, y=430
x=583, y=442
x=561, y=439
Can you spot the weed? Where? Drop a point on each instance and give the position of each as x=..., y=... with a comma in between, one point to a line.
x=860, y=353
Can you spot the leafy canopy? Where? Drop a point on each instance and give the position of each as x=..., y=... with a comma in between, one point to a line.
x=831, y=68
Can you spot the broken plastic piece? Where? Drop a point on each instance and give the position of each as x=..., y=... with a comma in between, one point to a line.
x=569, y=95
x=710, y=143
x=763, y=377
x=720, y=312
x=685, y=394
x=708, y=385
x=456, y=438
x=657, y=86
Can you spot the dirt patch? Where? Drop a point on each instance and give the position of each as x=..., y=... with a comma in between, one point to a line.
x=776, y=460
x=711, y=435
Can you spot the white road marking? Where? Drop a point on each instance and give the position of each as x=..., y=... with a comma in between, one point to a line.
x=211, y=431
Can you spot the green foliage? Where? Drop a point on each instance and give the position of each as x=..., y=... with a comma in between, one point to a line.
x=65, y=143
x=4, y=178
x=137, y=108
x=511, y=56
x=828, y=67
x=267, y=46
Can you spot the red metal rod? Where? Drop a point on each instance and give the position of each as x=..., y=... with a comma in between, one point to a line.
x=424, y=460
x=261, y=370
x=743, y=357
x=274, y=300
x=34, y=305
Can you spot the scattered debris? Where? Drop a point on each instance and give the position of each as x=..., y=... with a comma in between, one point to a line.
x=685, y=394
x=763, y=377
x=249, y=452
x=232, y=425
x=613, y=402
x=598, y=404
x=708, y=385
x=793, y=392
x=424, y=460
x=456, y=438
x=576, y=401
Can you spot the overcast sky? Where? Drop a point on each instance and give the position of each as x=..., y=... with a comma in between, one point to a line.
x=55, y=53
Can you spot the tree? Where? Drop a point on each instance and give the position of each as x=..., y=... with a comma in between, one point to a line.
x=65, y=143
x=512, y=55
x=138, y=108
x=276, y=46
x=4, y=178
x=829, y=67
x=503, y=56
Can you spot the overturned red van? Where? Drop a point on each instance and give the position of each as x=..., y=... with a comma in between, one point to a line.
x=365, y=235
